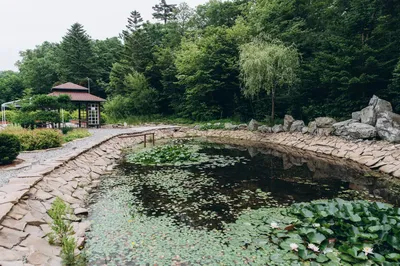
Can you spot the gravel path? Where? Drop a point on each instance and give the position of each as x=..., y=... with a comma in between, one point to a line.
x=33, y=158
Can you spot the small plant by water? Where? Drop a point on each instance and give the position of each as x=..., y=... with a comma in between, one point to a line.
x=62, y=233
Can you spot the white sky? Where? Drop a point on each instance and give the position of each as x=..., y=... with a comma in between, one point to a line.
x=27, y=23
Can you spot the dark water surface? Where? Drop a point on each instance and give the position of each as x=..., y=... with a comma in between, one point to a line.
x=208, y=195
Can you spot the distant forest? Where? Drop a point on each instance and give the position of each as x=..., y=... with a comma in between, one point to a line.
x=187, y=64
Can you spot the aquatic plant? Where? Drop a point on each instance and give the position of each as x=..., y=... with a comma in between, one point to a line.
x=170, y=154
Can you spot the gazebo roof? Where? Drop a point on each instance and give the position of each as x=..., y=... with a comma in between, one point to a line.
x=76, y=92
x=70, y=87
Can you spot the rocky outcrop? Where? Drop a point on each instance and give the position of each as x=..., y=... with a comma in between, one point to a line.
x=277, y=128
x=287, y=122
x=253, y=125
x=312, y=128
x=297, y=126
x=356, y=116
x=324, y=122
x=380, y=105
x=368, y=116
x=265, y=129
x=340, y=128
x=388, y=126
x=230, y=126
x=360, y=131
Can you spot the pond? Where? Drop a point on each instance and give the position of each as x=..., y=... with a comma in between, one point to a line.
x=183, y=214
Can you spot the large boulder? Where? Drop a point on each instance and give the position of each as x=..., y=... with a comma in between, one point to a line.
x=361, y=131
x=368, y=115
x=304, y=130
x=277, y=128
x=340, y=128
x=265, y=129
x=324, y=122
x=388, y=126
x=287, y=122
x=356, y=116
x=230, y=126
x=380, y=105
x=324, y=131
x=253, y=125
x=375, y=107
x=312, y=127
x=297, y=126
x=242, y=126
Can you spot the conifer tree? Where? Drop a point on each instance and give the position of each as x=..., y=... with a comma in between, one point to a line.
x=164, y=11
x=77, y=55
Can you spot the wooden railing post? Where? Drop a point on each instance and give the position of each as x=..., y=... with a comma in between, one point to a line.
x=145, y=140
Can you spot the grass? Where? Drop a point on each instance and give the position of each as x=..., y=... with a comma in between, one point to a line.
x=78, y=133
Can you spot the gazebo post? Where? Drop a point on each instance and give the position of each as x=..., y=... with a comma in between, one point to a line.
x=79, y=114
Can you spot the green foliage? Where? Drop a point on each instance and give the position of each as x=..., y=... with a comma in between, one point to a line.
x=10, y=146
x=11, y=86
x=61, y=233
x=60, y=226
x=267, y=65
x=36, y=139
x=164, y=11
x=74, y=134
x=212, y=126
x=173, y=154
x=65, y=130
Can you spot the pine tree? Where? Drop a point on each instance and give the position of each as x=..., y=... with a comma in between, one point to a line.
x=135, y=22
x=164, y=11
x=77, y=56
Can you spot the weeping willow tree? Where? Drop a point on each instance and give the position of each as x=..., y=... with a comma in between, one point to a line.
x=267, y=65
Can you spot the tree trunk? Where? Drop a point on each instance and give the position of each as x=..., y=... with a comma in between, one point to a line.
x=273, y=105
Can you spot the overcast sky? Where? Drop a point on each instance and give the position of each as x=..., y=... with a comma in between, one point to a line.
x=26, y=23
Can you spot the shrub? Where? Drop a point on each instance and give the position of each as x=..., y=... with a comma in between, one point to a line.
x=10, y=147
x=36, y=139
x=76, y=134
x=65, y=130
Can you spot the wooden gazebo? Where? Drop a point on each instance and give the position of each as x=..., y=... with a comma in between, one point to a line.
x=88, y=104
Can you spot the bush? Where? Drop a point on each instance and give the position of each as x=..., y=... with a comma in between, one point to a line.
x=10, y=146
x=65, y=130
x=76, y=134
x=36, y=139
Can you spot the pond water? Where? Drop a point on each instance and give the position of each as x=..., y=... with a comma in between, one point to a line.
x=173, y=215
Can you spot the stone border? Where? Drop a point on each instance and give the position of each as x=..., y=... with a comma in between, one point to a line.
x=376, y=155
x=25, y=200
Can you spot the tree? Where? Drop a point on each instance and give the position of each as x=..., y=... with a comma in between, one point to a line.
x=267, y=65
x=77, y=58
x=11, y=86
x=164, y=11
x=40, y=68
x=135, y=22
x=183, y=14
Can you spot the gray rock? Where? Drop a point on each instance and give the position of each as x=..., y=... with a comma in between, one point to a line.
x=380, y=105
x=277, y=128
x=217, y=124
x=388, y=126
x=297, y=126
x=361, y=131
x=325, y=121
x=197, y=127
x=253, y=125
x=324, y=131
x=265, y=129
x=312, y=127
x=242, y=126
x=287, y=122
x=356, y=116
x=230, y=126
x=304, y=130
x=368, y=116
x=340, y=127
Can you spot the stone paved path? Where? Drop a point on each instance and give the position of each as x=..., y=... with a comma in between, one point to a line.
x=35, y=158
